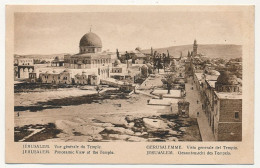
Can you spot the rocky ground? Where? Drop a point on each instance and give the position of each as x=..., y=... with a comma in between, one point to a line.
x=109, y=116
x=113, y=128
x=73, y=114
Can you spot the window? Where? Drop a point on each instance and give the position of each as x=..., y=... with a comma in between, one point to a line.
x=236, y=115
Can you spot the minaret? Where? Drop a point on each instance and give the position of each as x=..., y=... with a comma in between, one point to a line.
x=195, y=47
x=151, y=51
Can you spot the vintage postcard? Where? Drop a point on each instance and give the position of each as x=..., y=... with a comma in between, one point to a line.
x=130, y=84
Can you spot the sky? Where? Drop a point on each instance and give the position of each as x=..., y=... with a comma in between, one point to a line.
x=52, y=33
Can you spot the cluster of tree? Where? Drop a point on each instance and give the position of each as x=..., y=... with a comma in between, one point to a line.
x=38, y=61
x=146, y=70
x=236, y=59
x=160, y=61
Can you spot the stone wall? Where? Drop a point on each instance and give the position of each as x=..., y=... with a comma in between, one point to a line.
x=229, y=124
x=227, y=110
x=229, y=132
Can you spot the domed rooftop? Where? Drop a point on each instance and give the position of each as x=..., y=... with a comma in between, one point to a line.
x=213, y=72
x=117, y=62
x=91, y=40
x=226, y=78
x=66, y=70
x=138, y=48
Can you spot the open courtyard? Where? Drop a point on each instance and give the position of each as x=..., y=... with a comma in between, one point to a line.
x=73, y=114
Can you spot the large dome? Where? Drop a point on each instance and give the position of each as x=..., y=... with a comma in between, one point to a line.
x=90, y=40
x=225, y=78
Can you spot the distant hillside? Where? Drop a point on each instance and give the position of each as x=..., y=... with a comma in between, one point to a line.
x=41, y=56
x=209, y=50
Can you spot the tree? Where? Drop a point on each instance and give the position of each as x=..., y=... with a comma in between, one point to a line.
x=150, y=68
x=169, y=80
x=144, y=71
x=43, y=62
x=164, y=61
x=127, y=57
x=158, y=63
x=117, y=54
x=154, y=59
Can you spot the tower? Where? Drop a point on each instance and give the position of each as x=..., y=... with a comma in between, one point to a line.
x=195, y=47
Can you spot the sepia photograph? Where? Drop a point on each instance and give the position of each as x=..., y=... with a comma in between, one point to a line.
x=153, y=76
x=130, y=84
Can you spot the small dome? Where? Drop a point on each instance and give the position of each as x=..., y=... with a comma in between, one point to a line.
x=117, y=62
x=213, y=72
x=225, y=78
x=56, y=58
x=138, y=48
x=90, y=40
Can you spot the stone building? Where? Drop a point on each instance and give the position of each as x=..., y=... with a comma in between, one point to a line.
x=222, y=103
x=90, y=57
x=119, y=71
x=55, y=77
x=82, y=79
x=227, y=82
x=24, y=67
x=89, y=66
x=183, y=108
x=227, y=116
x=32, y=77
x=117, y=67
x=136, y=56
x=57, y=62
